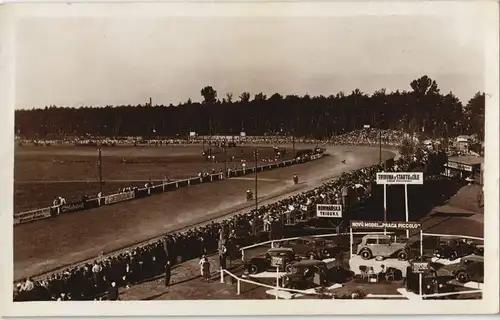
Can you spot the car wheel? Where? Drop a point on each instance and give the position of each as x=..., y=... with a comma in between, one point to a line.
x=402, y=255
x=288, y=268
x=325, y=252
x=253, y=269
x=462, y=277
x=313, y=255
x=453, y=255
x=366, y=254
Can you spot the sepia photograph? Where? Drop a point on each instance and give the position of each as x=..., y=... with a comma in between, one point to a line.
x=180, y=155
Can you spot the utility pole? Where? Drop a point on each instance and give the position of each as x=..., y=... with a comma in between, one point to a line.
x=225, y=160
x=99, y=163
x=256, y=153
x=380, y=145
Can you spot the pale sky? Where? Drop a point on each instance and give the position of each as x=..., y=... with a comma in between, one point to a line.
x=98, y=61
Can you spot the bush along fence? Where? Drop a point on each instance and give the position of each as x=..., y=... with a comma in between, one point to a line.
x=53, y=211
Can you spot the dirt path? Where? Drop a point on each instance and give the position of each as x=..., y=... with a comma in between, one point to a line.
x=46, y=245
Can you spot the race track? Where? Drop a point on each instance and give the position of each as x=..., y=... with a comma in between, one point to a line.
x=45, y=245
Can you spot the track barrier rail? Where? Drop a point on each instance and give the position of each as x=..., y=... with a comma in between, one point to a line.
x=277, y=287
x=52, y=211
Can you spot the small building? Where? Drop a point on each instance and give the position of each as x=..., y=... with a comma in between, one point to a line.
x=465, y=167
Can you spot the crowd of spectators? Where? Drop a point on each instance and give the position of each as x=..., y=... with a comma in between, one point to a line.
x=92, y=280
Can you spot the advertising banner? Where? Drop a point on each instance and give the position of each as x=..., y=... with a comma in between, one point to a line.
x=459, y=166
x=198, y=180
x=157, y=189
x=401, y=225
x=170, y=186
x=182, y=183
x=329, y=210
x=32, y=215
x=140, y=193
x=114, y=198
x=400, y=178
x=72, y=207
x=92, y=203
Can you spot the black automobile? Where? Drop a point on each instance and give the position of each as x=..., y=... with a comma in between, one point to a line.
x=453, y=248
x=306, y=274
x=281, y=258
x=470, y=268
x=431, y=282
x=315, y=248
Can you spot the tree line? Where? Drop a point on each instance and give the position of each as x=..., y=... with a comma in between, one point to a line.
x=423, y=109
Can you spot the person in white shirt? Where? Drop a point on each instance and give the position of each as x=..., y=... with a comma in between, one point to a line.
x=28, y=285
x=205, y=268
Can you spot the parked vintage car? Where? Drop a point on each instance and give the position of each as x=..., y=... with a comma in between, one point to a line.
x=281, y=258
x=470, y=268
x=378, y=245
x=316, y=248
x=306, y=274
x=431, y=282
x=479, y=250
x=453, y=248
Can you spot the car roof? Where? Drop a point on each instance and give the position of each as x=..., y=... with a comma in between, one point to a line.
x=309, y=238
x=379, y=236
x=474, y=257
x=449, y=238
x=281, y=249
x=308, y=263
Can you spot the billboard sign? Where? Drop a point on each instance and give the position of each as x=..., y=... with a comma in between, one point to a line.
x=329, y=210
x=400, y=178
x=243, y=134
x=192, y=134
x=400, y=225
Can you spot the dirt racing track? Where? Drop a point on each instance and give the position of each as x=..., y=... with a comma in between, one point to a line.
x=46, y=245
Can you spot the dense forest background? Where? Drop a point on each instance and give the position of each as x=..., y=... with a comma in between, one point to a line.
x=424, y=109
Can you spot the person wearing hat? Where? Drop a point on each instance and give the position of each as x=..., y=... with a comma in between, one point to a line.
x=168, y=273
x=113, y=293
x=223, y=256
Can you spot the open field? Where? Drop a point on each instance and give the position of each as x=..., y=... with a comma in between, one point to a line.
x=44, y=245
x=44, y=173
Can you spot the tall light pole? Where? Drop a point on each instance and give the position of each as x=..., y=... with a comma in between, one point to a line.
x=225, y=160
x=380, y=145
x=256, y=154
x=99, y=163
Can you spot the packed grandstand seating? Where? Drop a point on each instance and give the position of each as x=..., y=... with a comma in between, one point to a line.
x=92, y=280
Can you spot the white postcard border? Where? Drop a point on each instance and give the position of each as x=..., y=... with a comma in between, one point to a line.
x=488, y=12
